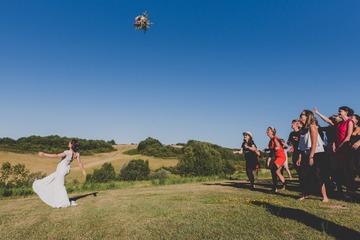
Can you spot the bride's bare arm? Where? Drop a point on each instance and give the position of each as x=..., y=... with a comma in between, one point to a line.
x=59, y=155
x=81, y=166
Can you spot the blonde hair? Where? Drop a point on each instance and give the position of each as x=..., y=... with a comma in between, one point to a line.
x=272, y=129
x=310, y=119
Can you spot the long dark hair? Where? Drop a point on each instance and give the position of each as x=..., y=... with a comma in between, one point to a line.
x=249, y=143
x=357, y=118
x=349, y=111
x=75, y=145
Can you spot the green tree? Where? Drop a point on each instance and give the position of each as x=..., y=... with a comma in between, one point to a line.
x=149, y=143
x=53, y=144
x=153, y=147
x=105, y=174
x=200, y=159
x=205, y=159
x=135, y=170
x=17, y=176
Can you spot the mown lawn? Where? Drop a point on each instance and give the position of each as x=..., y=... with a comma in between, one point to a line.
x=223, y=209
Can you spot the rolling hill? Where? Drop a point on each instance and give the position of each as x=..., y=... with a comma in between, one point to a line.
x=117, y=158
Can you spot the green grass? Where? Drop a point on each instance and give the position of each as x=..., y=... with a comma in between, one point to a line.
x=90, y=186
x=217, y=209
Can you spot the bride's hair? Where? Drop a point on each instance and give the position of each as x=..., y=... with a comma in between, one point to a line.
x=75, y=145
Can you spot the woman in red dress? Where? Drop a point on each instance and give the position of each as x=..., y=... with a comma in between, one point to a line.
x=277, y=151
x=341, y=147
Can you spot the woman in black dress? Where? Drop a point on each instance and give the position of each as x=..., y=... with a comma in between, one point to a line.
x=249, y=149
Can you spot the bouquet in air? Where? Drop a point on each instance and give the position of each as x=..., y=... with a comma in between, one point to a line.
x=142, y=22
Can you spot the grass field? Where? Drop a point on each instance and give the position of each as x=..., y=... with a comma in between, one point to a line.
x=221, y=209
x=211, y=210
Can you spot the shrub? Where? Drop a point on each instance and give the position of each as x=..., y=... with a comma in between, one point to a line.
x=135, y=170
x=160, y=174
x=153, y=147
x=172, y=170
x=228, y=168
x=148, y=143
x=17, y=176
x=131, y=152
x=16, y=180
x=204, y=159
x=105, y=174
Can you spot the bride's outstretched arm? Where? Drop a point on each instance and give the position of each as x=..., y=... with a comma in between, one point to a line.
x=59, y=155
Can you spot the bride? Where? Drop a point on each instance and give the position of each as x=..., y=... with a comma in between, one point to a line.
x=51, y=189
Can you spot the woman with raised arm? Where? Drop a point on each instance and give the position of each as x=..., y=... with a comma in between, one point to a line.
x=332, y=162
x=277, y=151
x=312, y=157
x=51, y=189
x=323, y=117
x=341, y=147
x=249, y=149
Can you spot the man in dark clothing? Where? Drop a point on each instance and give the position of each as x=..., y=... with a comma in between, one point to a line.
x=293, y=142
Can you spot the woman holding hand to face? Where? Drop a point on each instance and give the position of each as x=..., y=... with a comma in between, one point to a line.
x=249, y=149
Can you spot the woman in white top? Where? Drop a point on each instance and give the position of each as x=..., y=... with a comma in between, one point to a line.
x=312, y=157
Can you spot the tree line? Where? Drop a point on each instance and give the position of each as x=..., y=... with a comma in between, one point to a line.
x=53, y=144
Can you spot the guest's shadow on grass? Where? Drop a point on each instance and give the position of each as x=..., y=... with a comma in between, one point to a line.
x=83, y=196
x=315, y=222
x=263, y=186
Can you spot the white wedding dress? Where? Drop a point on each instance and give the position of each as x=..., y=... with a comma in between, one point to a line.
x=51, y=189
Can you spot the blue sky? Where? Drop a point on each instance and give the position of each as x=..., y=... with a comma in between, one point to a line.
x=205, y=70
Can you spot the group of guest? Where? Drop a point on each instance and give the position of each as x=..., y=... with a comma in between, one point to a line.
x=342, y=151
x=325, y=157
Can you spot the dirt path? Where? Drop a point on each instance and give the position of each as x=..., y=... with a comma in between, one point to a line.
x=91, y=161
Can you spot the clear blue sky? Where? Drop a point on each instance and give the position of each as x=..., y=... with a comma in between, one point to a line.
x=206, y=70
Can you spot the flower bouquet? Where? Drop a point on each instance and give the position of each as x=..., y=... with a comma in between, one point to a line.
x=142, y=22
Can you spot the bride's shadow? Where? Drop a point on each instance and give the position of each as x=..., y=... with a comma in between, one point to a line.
x=83, y=196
